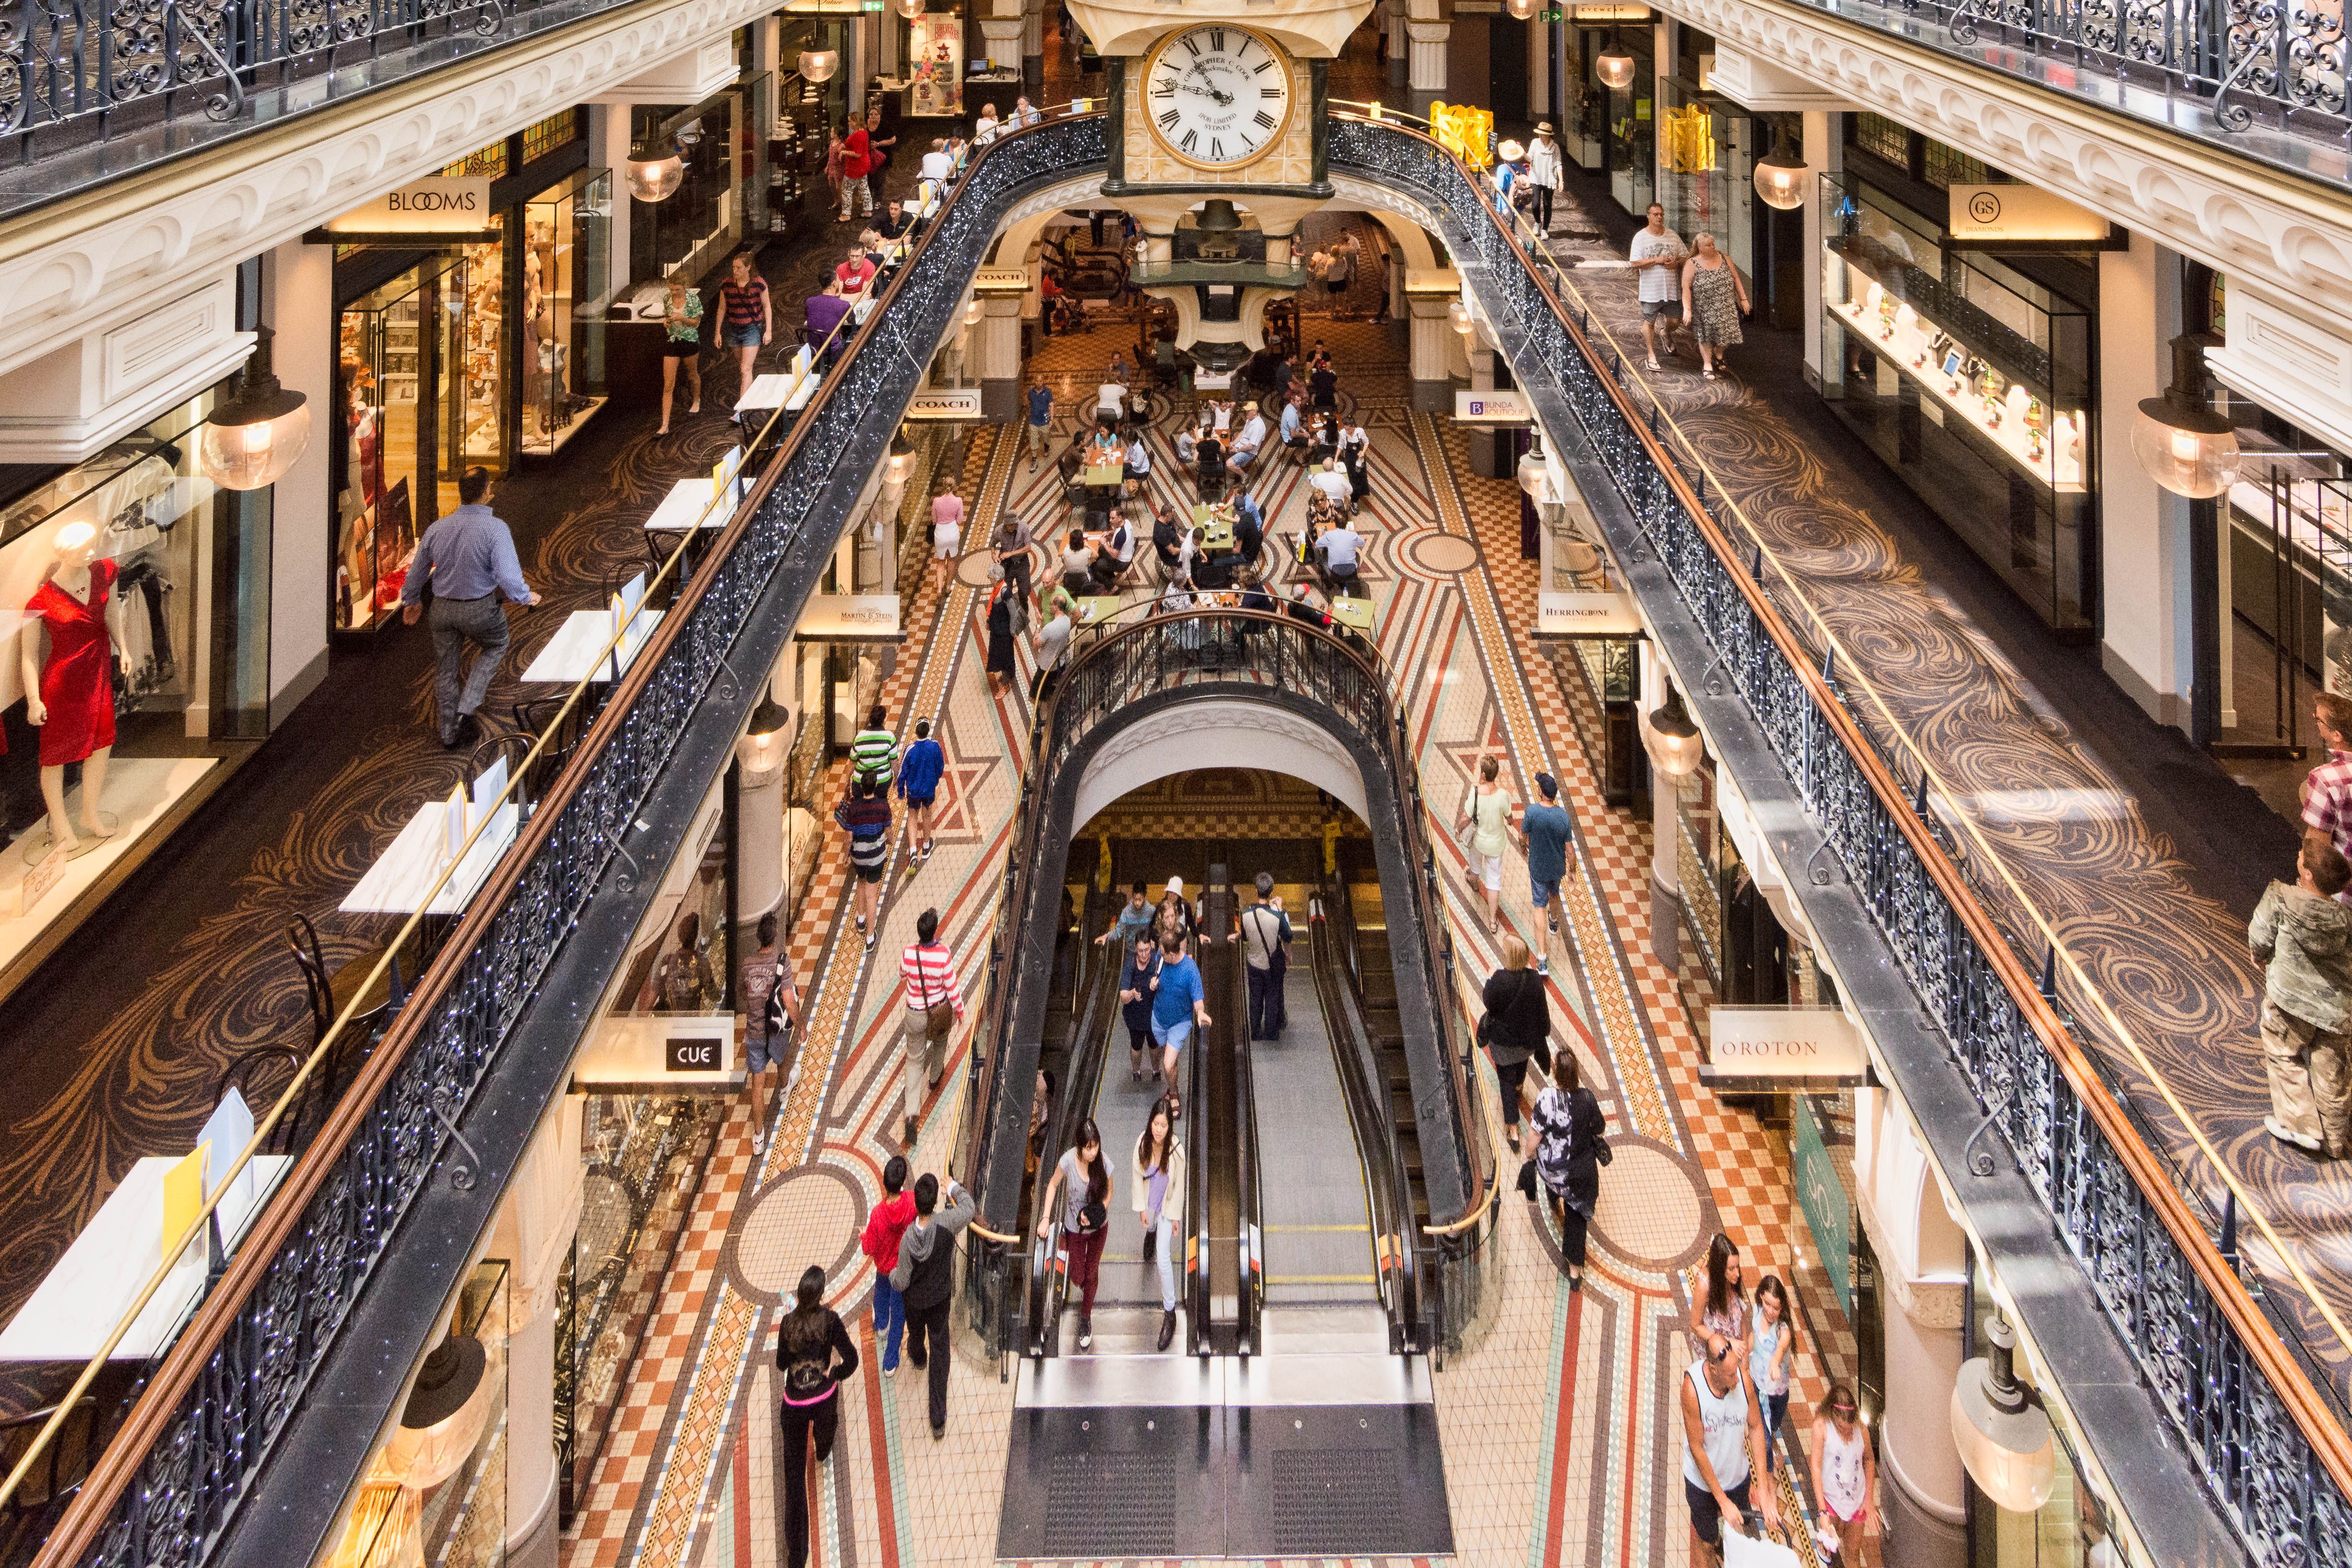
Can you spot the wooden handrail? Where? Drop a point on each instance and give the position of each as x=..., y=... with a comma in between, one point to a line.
x=2285, y=1375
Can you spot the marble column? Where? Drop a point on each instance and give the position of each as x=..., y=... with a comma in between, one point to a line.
x=1483, y=440
x=1925, y=1498
x=1820, y=151
x=1426, y=73
x=1000, y=39
x=1432, y=349
x=1033, y=45
x=996, y=358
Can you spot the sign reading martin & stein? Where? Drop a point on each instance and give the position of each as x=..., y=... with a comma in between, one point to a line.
x=1762, y=1049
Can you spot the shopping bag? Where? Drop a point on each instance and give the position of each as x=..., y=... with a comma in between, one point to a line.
x=1754, y=1552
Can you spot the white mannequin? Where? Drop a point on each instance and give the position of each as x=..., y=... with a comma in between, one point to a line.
x=77, y=547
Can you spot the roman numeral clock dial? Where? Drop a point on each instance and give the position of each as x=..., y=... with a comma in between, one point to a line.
x=1217, y=96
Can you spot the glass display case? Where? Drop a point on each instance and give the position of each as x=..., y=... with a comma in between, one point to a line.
x=1972, y=382
x=401, y=386
x=691, y=231
x=566, y=286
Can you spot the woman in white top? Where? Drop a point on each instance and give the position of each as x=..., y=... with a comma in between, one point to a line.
x=1486, y=814
x=1158, y=1189
x=1543, y=173
x=1845, y=1472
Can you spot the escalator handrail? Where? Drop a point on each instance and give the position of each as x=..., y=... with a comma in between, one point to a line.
x=1250, y=1186
x=1091, y=990
x=1386, y=1187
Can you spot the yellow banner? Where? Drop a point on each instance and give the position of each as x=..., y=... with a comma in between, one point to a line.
x=1465, y=131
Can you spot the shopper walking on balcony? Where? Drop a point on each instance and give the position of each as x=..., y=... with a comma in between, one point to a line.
x=747, y=319
x=1487, y=819
x=2327, y=789
x=934, y=1005
x=1713, y=299
x=467, y=558
x=2304, y=936
x=865, y=816
x=856, y=163
x=813, y=1358
x=682, y=349
x=1656, y=256
x=1543, y=174
x=926, y=1280
x=1081, y=1186
x=1515, y=1026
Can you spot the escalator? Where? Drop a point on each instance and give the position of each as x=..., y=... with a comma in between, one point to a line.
x=1293, y=1415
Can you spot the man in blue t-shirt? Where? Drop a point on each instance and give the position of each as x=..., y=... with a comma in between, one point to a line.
x=1549, y=833
x=1177, y=1006
x=919, y=784
x=1041, y=419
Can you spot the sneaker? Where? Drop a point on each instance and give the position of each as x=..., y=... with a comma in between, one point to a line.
x=1543, y=967
x=1086, y=1333
x=2280, y=1130
x=890, y=1369
x=861, y=922
x=938, y=1431
x=871, y=938
x=914, y=1131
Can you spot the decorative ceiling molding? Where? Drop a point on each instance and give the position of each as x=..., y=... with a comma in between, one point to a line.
x=2291, y=237
x=93, y=263
x=1274, y=738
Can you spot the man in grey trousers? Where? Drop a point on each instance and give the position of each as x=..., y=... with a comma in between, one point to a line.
x=469, y=557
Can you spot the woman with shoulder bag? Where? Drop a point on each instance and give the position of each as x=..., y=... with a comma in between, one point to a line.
x=1518, y=1024
x=814, y=1355
x=1571, y=1145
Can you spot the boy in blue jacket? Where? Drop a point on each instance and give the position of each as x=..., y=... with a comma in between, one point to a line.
x=919, y=785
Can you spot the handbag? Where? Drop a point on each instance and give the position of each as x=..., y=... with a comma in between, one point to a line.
x=1486, y=1030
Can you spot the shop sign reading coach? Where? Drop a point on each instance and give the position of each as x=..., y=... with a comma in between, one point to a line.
x=439, y=205
x=944, y=406
x=1759, y=1049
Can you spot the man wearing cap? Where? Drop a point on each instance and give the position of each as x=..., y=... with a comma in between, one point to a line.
x=1543, y=173
x=1246, y=444
x=1547, y=831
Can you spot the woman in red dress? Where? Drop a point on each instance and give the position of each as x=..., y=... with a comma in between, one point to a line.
x=71, y=697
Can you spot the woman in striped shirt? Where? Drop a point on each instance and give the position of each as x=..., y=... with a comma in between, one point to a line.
x=866, y=814
x=746, y=320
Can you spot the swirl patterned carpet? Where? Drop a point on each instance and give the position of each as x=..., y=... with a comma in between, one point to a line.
x=112, y=1049
x=2086, y=822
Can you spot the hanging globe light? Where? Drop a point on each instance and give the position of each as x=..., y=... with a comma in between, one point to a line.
x=818, y=65
x=910, y=9
x=253, y=438
x=1781, y=177
x=2182, y=443
x=1615, y=66
x=1520, y=10
x=652, y=173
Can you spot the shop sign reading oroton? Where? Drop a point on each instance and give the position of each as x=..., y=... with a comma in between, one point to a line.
x=439, y=205
x=1754, y=1049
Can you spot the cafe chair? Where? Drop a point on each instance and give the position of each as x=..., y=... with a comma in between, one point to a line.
x=367, y=1025
x=261, y=1074
x=532, y=718
x=56, y=1474
x=530, y=778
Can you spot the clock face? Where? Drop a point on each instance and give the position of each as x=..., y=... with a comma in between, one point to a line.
x=1217, y=95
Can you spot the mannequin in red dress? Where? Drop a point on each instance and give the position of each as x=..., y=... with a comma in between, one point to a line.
x=71, y=697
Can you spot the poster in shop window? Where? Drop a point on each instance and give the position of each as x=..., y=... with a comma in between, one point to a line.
x=935, y=57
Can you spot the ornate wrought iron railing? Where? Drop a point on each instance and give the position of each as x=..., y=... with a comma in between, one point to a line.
x=188, y=1458
x=1222, y=653
x=2267, y=1444
x=2261, y=78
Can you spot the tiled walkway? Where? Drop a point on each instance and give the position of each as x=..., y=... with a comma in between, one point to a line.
x=2152, y=962
x=1557, y=1425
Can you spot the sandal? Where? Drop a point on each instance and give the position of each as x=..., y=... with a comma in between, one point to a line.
x=1656, y=365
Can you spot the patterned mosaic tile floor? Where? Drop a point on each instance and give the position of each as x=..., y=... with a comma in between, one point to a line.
x=1557, y=1425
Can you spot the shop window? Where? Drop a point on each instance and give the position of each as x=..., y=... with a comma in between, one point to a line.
x=1877, y=134
x=401, y=386
x=1972, y=383
x=489, y=162
x=566, y=283
x=692, y=231
x=545, y=136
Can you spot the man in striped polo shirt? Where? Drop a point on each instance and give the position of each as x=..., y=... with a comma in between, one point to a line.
x=874, y=753
x=934, y=1007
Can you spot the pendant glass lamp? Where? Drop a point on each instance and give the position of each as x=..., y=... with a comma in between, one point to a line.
x=446, y=1414
x=1520, y=10
x=910, y=9
x=1675, y=749
x=2182, y=443
x=1782, y=177
x=1614, y=68
x=2003, y=1436
x=818, y=65
x=652, y=173
x=253, y=438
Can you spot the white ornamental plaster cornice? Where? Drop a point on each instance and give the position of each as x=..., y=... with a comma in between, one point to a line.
x=2239, y=216
x=95, y=261
x=1274, y=738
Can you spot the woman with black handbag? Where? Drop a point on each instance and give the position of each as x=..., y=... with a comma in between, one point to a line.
x=1571, y=1145
x=1518, y=1025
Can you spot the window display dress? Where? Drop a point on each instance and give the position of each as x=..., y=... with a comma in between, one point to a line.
x=77, y=683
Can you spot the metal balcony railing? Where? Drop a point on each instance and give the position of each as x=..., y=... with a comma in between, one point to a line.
x=2262, y=78
x=2264, y=1437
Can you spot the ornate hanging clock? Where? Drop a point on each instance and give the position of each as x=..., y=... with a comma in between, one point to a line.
x=1218, y=96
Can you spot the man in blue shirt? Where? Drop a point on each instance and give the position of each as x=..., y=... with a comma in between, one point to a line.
x=1549, y=834
x=1176, y=1007
x=1041, y=419
x=919, y=784
x=468, y=559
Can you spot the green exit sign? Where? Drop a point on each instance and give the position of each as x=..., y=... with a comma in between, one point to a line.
x=1555, y=14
